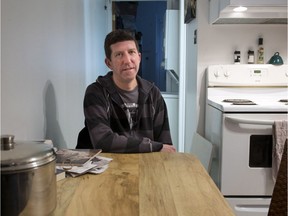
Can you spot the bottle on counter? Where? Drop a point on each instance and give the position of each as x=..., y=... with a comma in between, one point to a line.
x=260, y=58
x=237, y=57
x=251, y=58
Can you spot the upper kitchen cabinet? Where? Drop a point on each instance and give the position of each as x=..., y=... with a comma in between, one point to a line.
x=248, y=12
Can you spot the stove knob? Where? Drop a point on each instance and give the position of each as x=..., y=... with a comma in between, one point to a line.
x=226, y=74
x=216, y=73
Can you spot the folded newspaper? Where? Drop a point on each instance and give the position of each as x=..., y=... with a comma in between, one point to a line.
x=80, y=161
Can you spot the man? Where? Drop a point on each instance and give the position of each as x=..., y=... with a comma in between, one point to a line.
x=123, y=112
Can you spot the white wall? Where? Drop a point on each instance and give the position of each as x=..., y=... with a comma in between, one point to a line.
x=98, y=22
x=45, y=68
x=216, y=45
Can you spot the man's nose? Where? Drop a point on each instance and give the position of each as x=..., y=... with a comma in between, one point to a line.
x=126, y=58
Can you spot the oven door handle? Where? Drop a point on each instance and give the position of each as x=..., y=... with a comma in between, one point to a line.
x=250, y=121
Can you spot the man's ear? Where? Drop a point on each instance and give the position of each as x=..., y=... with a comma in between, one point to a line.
x=108, y=63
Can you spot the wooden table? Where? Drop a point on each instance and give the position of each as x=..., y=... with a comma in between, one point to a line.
x=152, y=184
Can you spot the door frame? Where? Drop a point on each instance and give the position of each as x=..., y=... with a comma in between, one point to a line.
x=182, y=68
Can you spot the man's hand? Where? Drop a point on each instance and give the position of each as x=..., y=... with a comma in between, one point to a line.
x=168, y=148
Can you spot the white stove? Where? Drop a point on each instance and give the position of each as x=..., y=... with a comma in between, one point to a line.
x=242, y=104
x=259, y=99
x=265, y=85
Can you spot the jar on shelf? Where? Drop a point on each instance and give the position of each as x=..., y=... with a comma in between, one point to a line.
x=237, y=57
x=251, y=58
x=260, y=57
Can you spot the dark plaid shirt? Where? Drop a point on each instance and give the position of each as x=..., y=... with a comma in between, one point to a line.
x=109, y=127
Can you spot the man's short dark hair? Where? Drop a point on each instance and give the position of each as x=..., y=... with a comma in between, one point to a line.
x=116, y=36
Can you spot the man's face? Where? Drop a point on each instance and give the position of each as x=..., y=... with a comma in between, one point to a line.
x=125, y=61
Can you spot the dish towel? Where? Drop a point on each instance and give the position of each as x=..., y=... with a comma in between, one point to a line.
x=280, y=135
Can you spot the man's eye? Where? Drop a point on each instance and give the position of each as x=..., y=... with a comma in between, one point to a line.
x=118, y=54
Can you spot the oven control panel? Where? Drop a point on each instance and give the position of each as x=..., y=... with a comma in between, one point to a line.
x=259, y=72
x=247, y=75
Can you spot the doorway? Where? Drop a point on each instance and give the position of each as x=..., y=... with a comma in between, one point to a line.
x=146, y=21
x=172, y=53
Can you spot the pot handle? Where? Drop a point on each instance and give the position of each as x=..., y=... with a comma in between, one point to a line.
x=7, y=142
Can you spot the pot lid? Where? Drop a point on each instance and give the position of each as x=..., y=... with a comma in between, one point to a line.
x=22, y=155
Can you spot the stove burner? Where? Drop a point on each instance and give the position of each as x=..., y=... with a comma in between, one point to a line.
x=244, y=103
x=239, y=101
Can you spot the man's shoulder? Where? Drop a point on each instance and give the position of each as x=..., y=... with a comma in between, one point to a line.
x=101, y=82
x=105, y=80
x=147, y=86
x=93, y=87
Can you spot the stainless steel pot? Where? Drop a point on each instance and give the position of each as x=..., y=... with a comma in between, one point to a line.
x=28, y=181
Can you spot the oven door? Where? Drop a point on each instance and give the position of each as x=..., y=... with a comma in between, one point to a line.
x=247, y=154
